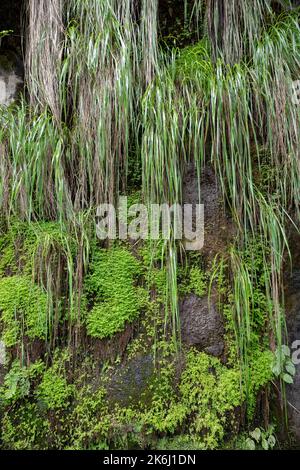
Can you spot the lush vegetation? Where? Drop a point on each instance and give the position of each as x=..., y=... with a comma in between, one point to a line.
x=121, y=99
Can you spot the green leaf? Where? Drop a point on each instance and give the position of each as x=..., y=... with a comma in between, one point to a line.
x=5, y=33
x=265, y=444
x=256, y=434
x=276, y=370
x=250, y=444
x=290, y=368
x=271, y=441
x=288, y=379
x=286, y=350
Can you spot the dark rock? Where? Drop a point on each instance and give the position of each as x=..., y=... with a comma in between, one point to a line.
x=219, y=229
x=202, y=325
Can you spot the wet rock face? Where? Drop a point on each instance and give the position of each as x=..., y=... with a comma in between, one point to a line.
x=11, y=77
x=129, y=382
x=218, y=227
x=202, y=325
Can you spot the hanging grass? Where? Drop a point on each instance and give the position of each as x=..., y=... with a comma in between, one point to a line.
x=204, y=110
x=233, y=27
x=44, y=52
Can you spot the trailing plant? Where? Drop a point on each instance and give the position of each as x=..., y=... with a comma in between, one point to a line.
x=283, y=366
x=18, y=381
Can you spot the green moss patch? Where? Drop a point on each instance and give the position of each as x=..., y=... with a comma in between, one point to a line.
x=111, y=286
x=23, y=307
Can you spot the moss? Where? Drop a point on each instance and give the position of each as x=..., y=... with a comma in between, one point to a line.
x=23, y=307
x=210, y=391
x=195, y=281
x=54, y=391
x=207, y=398
x=90, y=420
x=200, y=403
x=153, y=322
x=18, y=382
x=26, y=246
x=260, y=375
x=7, y=260
x=111, y=288
x=24, y=428
x=184, y=442
x=44, y=255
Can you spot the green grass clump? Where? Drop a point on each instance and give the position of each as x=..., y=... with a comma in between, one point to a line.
x=23, y=306
x=112, y=290
x=193, y=60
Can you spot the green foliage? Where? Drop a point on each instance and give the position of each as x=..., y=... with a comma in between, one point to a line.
x=183, y=442
x=18, y=381
x=193, y=60
x=210, y=391
x=196, y=282
x=5, y=33
x=259, y=439
x=255, y=263
x=207, y=396
x=112, y=290
x=90, y=421
x=163, y=413
x=24, y=310
x=283, y=366
x=257, y=376
x=54, y=392
x=7, y=259
x=200, y=402
x=24, y=428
